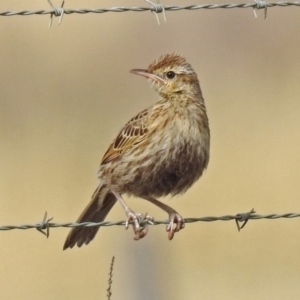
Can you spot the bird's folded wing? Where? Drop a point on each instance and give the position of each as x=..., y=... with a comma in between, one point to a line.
x=131, y=135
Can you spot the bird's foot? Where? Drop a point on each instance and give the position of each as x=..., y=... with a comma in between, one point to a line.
x=139, y=223
x=176, y=223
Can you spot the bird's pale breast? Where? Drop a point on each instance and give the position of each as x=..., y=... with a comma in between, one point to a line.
x=172, y=158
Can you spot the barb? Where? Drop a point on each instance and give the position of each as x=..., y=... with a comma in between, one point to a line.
x=238, y=217
x=243, y=217
x=260, y=4
x=57, y=12
x=158, y=8
x=44, y=225
x=141, y=9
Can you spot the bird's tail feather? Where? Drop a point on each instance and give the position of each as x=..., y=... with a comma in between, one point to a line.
x=101, y=203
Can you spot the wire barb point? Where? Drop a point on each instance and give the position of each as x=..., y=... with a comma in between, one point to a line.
x=260, y=4
x=243, y=217
x=57, y=12
x=44, y=225
x=158, y=8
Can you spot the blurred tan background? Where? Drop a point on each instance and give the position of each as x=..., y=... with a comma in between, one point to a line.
x=65, y=93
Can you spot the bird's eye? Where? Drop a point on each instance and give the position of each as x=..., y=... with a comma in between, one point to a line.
x=171, y=74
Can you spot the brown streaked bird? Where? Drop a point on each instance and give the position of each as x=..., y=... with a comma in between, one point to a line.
x=162, y=151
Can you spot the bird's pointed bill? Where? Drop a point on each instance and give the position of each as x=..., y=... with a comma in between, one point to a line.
x=147, y=74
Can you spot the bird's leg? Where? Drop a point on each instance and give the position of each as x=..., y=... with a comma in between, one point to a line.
x=176, y=220
x=135, y=218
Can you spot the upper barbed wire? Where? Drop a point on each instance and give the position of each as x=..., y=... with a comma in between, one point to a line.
x=66, y=11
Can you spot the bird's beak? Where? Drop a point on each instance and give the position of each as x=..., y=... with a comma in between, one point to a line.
x=147, y=74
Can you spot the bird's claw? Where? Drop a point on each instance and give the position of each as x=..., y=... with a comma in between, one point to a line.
x=176, y=223
x=139, y=223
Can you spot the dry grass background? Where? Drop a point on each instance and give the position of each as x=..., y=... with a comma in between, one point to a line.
x=65, y=93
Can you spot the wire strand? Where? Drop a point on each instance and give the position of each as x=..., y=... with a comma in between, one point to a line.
x=46, y=224
x=141, y=9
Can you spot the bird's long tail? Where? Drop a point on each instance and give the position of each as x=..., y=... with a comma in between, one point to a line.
x=101, y=203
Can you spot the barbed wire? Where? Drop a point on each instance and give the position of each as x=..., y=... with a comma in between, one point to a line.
x=258, y=4
x=241, y=217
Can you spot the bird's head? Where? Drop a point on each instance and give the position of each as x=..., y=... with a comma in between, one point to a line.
x=171, y=75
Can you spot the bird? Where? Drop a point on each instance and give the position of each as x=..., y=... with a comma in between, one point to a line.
x=161, y=151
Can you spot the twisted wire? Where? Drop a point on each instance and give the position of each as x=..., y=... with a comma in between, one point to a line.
x=152, y=9
x=46, y=224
